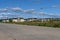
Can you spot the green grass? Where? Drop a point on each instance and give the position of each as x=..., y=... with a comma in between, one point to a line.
x=38, y=23
x=52, y=23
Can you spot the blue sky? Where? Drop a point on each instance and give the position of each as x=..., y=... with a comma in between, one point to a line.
x=29, y=8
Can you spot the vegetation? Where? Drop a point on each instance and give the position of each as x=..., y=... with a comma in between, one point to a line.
x=51, y=23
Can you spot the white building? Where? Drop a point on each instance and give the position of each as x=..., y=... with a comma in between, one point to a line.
x=5, y=20
x=18, y=20
x=31, y=19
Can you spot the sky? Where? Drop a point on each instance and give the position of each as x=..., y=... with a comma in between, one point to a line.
x=30, y=8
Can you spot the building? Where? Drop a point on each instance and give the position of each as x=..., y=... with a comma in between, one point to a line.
x=13, y=20
x=31, y=19
x=44, y=19
x=5, y=20
x=18, y=19
x=28, y=19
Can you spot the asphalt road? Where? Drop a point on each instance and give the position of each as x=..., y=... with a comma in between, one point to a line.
x=20, y=32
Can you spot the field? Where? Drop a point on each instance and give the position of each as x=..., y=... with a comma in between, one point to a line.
x=52, y=23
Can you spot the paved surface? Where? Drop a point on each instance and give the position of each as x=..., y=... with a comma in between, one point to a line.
x=20, y=32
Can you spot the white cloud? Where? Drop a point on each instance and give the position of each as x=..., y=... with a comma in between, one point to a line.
x=17, y=9
x=4, y=10
x=29, y=11
x=8, y=13
x=55, y=6
x=1, y=16
x=38, y=12
x=48, y=14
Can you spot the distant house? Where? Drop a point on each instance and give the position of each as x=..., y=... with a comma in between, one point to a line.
x=48, y=19
x=31, y=19
x=13, y=20
x=18, y=20
x=28, y=19
x=5, y=20
x=44, y=19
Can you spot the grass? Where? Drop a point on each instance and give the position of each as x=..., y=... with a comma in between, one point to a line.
x=52, y=23
x=55, y=24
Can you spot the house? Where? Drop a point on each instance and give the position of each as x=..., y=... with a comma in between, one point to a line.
x=31, y=19
x=45, y=19
x=18, y=20
x=5, y=20
x=48, y=19
x=13, y=20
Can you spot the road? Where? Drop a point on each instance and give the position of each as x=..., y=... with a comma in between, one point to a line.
x=24, y=32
